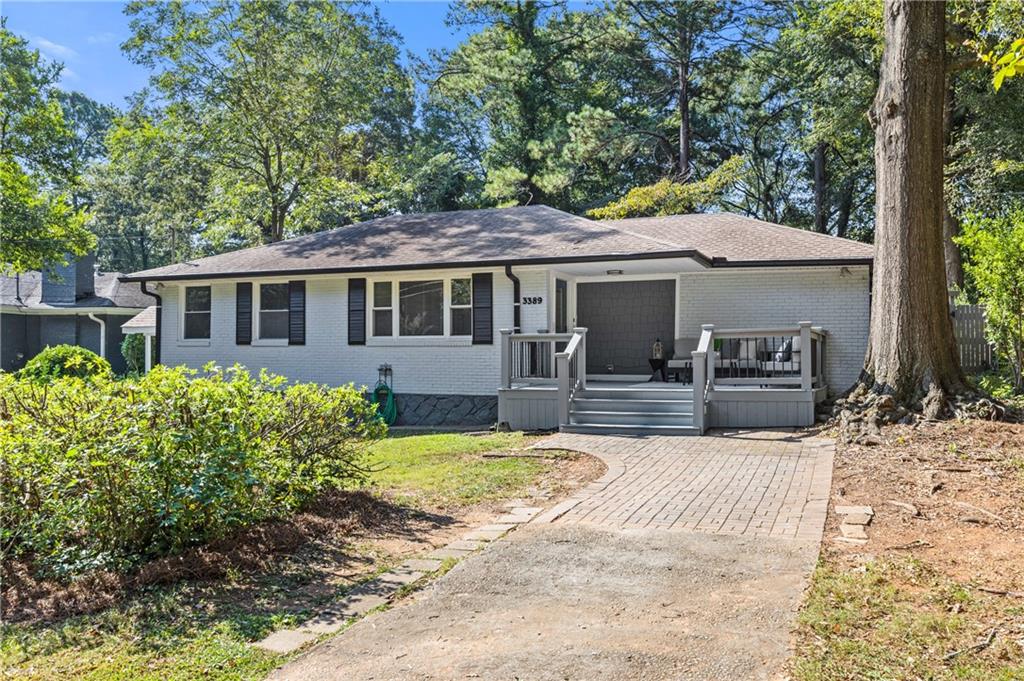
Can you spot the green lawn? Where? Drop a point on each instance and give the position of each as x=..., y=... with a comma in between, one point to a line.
x=202, y=630
x=899, y=619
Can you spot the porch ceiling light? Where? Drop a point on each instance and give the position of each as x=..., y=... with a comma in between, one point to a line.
x=613, y=272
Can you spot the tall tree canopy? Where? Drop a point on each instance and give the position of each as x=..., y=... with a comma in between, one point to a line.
x=38, y=225
x=292, y=103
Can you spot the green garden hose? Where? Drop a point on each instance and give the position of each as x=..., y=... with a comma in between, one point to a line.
x=386, y=408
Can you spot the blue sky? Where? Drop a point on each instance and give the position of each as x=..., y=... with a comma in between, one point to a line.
x=86, y=38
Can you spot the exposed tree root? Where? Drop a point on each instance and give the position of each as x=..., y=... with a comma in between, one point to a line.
x=861, y=413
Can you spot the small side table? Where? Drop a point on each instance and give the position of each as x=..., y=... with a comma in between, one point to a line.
x=657, y=366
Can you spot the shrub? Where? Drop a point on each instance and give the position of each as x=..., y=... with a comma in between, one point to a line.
x=65, y=360
x=109, y=473
x=994, y=247
x=133, y=349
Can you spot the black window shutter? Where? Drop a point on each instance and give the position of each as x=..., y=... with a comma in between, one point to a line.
x=483, y=309
x=357, y=311
x=243, y=313
x=296, y=313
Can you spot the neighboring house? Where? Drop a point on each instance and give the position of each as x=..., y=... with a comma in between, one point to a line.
x=72, y=304
x=431, y=294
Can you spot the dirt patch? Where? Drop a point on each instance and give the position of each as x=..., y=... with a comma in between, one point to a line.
x=334, y=542
x=937, y=590
x=966, y=482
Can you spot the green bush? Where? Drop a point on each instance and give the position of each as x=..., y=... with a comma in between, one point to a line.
x=109, y=473
x=65, y=360
x=133, y=349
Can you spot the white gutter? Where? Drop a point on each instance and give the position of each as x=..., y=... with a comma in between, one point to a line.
x=103, y=334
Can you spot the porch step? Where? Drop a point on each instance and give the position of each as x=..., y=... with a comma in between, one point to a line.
x=677, y=406
x=632, y=393
x=621, y=429
x=630, y=418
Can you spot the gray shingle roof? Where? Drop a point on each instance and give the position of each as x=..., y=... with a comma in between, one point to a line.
x=738, y=239
x=518, y=235
x=110, y=291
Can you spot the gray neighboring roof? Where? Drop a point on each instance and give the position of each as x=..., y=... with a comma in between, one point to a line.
x=110, y=292
x=144, y=320
x=520, y=235
x=737, y=239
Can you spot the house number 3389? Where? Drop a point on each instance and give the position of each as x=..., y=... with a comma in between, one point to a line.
x=532, y=300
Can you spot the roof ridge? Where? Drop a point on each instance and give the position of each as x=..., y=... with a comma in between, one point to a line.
x=646, y=237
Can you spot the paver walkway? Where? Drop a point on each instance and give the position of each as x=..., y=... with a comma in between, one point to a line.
x=686, y=560
x=746, y=483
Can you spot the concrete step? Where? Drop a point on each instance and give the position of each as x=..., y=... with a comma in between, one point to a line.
x=630, y=404
x=628, y=393
x=619, y=429
x=630, y=418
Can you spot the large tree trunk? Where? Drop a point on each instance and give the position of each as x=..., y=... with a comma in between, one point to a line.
x=844, y=208
x=683, y=85
x=911, y=351
x=820, y=190
x=950, y=225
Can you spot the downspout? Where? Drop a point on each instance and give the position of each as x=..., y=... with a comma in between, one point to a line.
x=159, y=319
x=103, y=334
x=515, y=299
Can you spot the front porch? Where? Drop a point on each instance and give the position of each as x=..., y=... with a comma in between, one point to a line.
x=735, y=378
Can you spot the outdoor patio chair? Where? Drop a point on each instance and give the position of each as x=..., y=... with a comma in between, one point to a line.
x=784, y=360
x=681, y=363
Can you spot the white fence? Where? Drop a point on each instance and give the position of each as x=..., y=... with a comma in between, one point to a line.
x=969, y=327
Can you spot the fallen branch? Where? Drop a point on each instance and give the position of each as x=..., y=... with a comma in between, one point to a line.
x=971, y=507
x=977, y=647
x=1000, y=592
x=916, y=544
x=909, y=508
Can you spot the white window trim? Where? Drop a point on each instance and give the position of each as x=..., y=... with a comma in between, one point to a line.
x=452, y=306
x=373, y=308
x=396, y=338
x=182, y=296
x=256, y=340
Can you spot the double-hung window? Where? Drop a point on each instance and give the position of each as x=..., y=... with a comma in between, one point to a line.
x=273, y=313
x=196, y=322
x=383, y=308
x=421, y=308
x=461, y=307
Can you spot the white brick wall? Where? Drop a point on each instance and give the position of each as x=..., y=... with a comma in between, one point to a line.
x=742, y=297
x=447, y=366
x=724, y=297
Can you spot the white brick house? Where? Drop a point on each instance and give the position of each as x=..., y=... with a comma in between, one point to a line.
x=430, y=295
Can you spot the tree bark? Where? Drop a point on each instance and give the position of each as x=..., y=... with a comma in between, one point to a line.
x=911, y=350
x=844, y=208
x=820, y=190
x=683, y=84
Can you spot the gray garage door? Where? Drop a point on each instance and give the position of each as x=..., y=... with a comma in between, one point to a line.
x=623, y=320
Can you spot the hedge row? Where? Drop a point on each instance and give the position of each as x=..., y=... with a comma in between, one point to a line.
x=107, y=473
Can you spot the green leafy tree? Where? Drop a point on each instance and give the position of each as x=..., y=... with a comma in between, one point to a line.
x=291, y=103
x=995, y=265
x=38, y=225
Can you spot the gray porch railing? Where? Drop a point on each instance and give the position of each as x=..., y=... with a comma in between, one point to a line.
x=571, y=368
x=529, y=357
x=777, y=357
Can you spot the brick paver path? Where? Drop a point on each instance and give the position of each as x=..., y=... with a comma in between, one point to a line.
x=766, y=483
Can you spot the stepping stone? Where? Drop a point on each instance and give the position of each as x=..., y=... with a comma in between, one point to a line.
x=495, y=527
x=285, y=641
x=853, y=510
x=527, y=510
x=514, y=519
x=857, y=519
x=422, y=564
x=483, y=535
x=853, y=531
x=849, y=540
x=465, y=545
x=399, y=577
x=445, y=552
x=334, y=618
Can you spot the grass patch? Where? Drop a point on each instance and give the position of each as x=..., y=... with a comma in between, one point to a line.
x=898, y=619
x=203, y=630
x=445, y=469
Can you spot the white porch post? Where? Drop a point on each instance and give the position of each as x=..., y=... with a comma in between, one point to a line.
x=149, y=351
x=506, y=358
x=710, y=359
x=805, y=356
x=581, y=356
x=699, y=385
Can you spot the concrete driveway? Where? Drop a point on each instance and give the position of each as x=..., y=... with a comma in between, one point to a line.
x=686, y=561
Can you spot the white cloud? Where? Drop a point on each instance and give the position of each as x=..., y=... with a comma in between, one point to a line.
x=51, y=49
x=101, y=38
x=68, y=74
